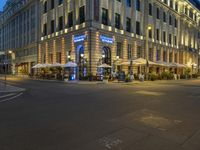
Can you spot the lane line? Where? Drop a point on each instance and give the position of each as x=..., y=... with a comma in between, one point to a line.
x=7, y=95
x=11, y=98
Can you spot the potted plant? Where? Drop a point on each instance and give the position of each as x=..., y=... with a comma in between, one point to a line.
x=105, y=79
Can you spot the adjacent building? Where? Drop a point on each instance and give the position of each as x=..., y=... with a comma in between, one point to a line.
x=19, y=28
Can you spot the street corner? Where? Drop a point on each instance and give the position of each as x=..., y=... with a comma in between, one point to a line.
x=8, y=92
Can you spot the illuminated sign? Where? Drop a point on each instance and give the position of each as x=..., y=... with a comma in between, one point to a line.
x=106, y=39
x=79, y=38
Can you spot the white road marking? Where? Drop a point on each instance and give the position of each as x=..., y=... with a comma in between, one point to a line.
x=7, y=95
x=8, y=99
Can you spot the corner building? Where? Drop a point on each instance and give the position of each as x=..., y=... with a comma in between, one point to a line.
x=120, y=30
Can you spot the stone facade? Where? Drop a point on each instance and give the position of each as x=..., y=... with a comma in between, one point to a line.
x=157, y=30
x=19, y=24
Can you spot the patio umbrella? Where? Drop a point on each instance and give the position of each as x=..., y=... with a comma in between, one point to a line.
x=70, y=65
x=37, y=66
x=45, y=65
x=104, y=66
x=56, y=65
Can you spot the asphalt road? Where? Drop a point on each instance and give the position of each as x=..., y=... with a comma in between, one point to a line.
x=58, y=116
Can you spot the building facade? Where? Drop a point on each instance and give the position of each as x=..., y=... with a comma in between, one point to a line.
x=19, y=28
x=116, y=31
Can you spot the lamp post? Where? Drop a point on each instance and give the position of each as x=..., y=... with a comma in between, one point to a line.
x=6, y=64
x=147, y=51
x=115, y=63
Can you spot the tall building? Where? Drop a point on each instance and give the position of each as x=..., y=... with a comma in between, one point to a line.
x=19, y=28
x=116, y=31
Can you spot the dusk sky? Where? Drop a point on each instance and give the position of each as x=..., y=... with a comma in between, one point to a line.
x=2, y=2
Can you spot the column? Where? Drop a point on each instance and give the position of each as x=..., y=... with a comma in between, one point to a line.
x=46, y=53
x=54, y=51
x=39, y=54
x=63, y=51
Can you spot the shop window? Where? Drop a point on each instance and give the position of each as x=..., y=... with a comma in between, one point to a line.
x=139, y=52
x=119, y=49
x=129, y=51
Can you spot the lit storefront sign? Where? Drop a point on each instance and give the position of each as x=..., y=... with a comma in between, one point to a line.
x=79, y=38
x=106, y=39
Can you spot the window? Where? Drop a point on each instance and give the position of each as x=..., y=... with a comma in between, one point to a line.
x=138, y=28
x=139, y=52
x=52, y=4
x=158, y=13
x=119, y=49
x=176, y=6
x=45, y=29
x=150, y=33
x=170, y=20
x=60, y=23
x=128, y=3
x=171, y=3
x=45, y=6
x=157, y=34
x=175, y=23
x=52, y=26
x=164, y=56
x=157, y=55
x=60, y=2
x=138, y=5
x=150, y=54
x=175, y=57
x=82, y=14
x=164, y=36
x=175, y=40
x=150, y=9
x=164, y=16
x=128, y=24
x=165, y=1
x=104, y=16
x=70, y=19
x=170, y=57
x=191, y=13
x=170, y=38
x=129, y=51
x=117, y=21
x=186, y=10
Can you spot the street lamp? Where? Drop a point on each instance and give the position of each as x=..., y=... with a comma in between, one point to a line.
x=149, y=27
x=115, y=61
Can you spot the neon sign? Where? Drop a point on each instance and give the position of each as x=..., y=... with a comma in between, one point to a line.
x=79, y=38
x=106, y=39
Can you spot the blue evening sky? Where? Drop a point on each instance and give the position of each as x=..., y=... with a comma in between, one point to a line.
x=2, y=2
